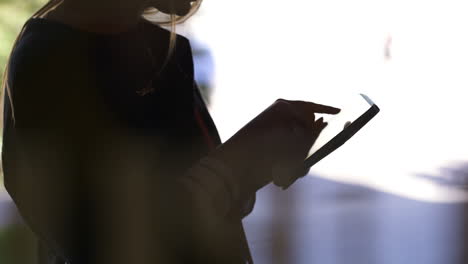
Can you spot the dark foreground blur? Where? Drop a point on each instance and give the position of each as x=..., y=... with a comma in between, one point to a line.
x=17, y=244
x=320, y=221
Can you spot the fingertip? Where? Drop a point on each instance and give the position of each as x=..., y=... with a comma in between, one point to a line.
x=336, y=110
x=326, y=109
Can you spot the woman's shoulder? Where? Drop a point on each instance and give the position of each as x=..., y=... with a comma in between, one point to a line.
x=41, y=35
x=44, y=61
x=40, y=45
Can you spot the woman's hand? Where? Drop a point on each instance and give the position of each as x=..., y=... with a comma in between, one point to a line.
x=273, y=145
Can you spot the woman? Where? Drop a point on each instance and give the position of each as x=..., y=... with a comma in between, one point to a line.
x=109, y=151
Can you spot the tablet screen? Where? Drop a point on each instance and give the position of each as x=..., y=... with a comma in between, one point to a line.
x=351, y=110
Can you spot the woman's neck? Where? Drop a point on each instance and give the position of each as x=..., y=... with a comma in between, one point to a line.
x=97, y=16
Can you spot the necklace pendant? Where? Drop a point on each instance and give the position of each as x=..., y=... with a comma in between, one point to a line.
x=149, y=89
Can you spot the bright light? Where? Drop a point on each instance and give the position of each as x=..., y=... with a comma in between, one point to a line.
x=411, y=57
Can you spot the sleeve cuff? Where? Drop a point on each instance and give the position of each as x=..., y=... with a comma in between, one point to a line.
x=213, y=177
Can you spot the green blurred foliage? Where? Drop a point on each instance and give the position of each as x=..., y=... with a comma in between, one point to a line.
x=13, y=14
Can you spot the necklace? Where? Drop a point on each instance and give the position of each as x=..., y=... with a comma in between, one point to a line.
x=148, y=87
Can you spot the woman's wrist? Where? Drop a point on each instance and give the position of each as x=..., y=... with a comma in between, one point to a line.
x=224, y=174
x=247, y=171
x=209, y=176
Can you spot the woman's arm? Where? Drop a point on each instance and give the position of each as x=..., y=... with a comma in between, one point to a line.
x=41, y=146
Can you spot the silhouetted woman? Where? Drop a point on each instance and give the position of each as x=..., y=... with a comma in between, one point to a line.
x=109, y=151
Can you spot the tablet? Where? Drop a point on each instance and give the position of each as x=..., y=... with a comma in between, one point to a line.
x=341, y=127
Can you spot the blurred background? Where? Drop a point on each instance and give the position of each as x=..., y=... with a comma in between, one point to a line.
x=397, y=191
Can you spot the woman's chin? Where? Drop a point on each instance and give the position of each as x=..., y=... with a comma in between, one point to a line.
x=179, y=10
x=183, y=9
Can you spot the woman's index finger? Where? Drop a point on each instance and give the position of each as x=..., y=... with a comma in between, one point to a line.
x=313, y=108
x=325, y=109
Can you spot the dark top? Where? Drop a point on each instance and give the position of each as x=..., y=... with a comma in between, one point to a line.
x=99, y=138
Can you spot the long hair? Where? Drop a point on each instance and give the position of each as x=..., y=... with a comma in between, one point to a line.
x=151, y=14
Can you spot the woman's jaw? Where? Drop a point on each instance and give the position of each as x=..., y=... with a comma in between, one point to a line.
x=172, y=7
